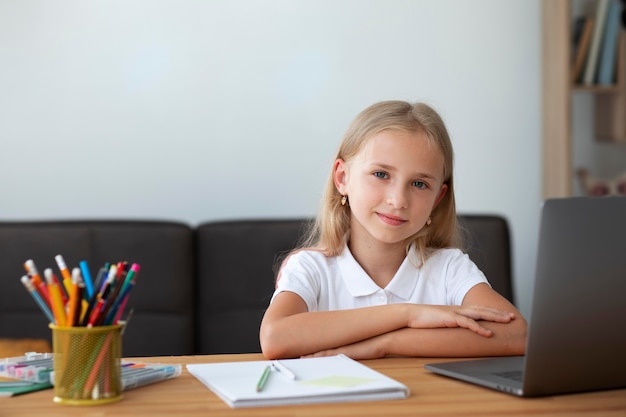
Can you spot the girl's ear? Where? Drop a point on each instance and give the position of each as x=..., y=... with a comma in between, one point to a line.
x=442, y=194
x=340, y=175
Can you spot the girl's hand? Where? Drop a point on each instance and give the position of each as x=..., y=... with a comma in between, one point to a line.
x=365, y=349
x=423, y=316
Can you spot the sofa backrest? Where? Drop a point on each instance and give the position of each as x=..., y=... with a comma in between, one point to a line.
x=488, y=244
x=236, y=266
x=237, y=263
x=162, y=321
x=200, y=290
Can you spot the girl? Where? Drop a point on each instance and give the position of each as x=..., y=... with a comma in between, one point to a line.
x=381, y=273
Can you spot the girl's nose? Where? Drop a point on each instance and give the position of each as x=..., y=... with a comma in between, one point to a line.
x=397, y=198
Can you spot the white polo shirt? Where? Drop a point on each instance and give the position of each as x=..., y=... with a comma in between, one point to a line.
x=339, y=282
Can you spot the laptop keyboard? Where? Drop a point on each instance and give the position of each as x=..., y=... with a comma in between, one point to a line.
x=514, y=375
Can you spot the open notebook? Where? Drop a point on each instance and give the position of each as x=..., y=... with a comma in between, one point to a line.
x=317, y=380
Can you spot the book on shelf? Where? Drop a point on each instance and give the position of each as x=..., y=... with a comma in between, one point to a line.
x=589, y=75
x=308, y=380
x=608, y=54
x=582, y=49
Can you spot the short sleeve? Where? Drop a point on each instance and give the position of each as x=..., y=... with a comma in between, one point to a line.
x=301, y=274
x=461, y=275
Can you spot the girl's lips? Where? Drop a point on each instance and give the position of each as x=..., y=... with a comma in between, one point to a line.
x=392, y=220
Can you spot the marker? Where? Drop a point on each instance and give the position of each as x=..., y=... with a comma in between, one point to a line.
x=112, y=291
x=34, y=373
x=39, y=284
x=65, y=273
x=42, y=304
x=95, y=313
x=264, y=377
x=116, y=286
x=56, y=301
x=122, y=269
x=149, y=376
x=31, y=269
x=112, y=315
x=134, y=270
x=84, y=269
x=97, y=284
x=77, y=288
x=108, y=283
x=115, y=313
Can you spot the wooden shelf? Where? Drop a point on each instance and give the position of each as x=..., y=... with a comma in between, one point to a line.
x=556, y=98
x=557, y=91
x=595, y=89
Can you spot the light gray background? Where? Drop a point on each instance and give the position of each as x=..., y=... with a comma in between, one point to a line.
x=197, y=110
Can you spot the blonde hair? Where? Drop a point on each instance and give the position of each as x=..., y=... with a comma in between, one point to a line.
x=332, y=224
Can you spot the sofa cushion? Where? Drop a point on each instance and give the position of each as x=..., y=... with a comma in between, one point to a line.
x=236, y=266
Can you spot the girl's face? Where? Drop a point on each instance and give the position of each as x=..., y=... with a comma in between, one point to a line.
x=393, y=184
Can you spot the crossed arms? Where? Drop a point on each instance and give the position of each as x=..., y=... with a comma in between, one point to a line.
x=486, y=324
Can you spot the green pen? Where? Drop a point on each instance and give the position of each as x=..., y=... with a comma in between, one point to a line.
x=264, y=377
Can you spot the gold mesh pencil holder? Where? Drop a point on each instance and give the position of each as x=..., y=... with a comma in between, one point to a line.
x=87, y=364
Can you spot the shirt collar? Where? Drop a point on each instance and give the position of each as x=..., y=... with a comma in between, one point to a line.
x=404, y=283
x=360, y=284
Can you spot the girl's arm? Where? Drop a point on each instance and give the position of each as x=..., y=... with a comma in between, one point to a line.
x=506, y=339
x=289, y=330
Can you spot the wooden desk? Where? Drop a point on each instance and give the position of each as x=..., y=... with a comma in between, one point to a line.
x=431, y=395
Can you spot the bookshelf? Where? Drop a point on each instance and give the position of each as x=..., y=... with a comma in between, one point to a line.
x=557, y=91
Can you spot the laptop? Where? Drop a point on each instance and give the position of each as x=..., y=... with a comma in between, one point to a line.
x=576, y=338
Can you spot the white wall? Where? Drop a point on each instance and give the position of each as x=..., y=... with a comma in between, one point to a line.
x=198, y=110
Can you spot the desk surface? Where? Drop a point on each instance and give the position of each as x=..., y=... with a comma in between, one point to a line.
x=431, y=395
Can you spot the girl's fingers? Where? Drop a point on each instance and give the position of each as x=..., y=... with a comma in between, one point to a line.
x=486, y=313
x=475, y=327
x=458, y=316
x=472, y=314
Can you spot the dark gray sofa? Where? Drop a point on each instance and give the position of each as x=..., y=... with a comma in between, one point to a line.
x=201, y=289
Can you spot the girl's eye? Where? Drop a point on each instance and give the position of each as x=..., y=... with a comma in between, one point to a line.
x=420, y=184
x=381, y=175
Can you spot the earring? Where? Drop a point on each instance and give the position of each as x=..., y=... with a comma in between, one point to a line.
x=344, y=199
x=429, y=221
